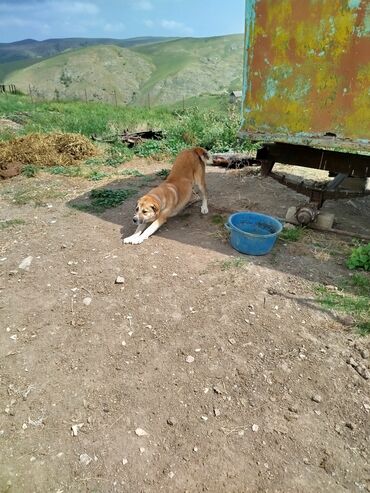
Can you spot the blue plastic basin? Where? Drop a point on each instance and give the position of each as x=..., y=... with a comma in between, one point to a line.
x=253, y=233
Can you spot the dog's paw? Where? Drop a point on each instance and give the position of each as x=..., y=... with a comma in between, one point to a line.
x=129, y=239
x=138, y=239
x=204, y=209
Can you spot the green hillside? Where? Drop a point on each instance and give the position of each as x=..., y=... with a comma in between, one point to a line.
x=156, y=73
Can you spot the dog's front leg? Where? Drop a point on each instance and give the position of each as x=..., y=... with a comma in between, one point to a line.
x=137, y=233
x=149, y=231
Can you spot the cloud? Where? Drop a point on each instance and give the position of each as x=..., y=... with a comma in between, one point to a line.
x=179, y=27
x=118, y=27
x=143, y=5
x=49, y=7
x=148, y=23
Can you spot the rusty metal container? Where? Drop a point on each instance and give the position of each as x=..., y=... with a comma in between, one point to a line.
x=307, y=73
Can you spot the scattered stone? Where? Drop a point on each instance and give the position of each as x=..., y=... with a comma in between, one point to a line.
x=217, y=389
x=350, y=425
x=241, y=433
x=26, y=263
x=85, y=459
x=255, y=428
x=204, y=418
x=338, y=429
x=87, y=301
x=361, y=369
x=123, y=343
x=76, y=428
x=293, y=409
x=171, y=421
x=171, y=474
x=124, y=461
x=232, y=341
x=189, y=359
x=306, y=461
x=13, y=272
x=216, y=412
x=316, y=398
x=330, y=287
x=119, y=280
x=364, y=353
x=272, y=291
x=195, y=449
x=142, y=450
x=140, y=432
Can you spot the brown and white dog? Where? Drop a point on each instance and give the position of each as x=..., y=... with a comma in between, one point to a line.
x=169, y=198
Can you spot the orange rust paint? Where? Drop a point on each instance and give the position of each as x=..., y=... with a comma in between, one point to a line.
x=307, y=69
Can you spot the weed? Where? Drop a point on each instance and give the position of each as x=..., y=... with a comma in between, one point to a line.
x=65, y=170
x=131, y=172
x=233, y=263
x=218, y=220
x=359, y=258
x=9, y=223
x=163, y=173
x=96, y=175
x=292, y=234
x=105, y=198
x=30, y=170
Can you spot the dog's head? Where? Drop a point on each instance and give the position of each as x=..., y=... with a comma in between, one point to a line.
x=147, y=210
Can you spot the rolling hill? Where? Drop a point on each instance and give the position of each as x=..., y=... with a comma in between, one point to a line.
x=162, y=72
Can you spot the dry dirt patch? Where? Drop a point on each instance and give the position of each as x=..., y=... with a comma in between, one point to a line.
x=266, y=401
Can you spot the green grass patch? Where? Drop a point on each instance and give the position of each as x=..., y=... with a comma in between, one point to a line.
x=11, y=223
x=30, y=170
x=292, y=234
x=105, y=198
x=65, y=170
x=218, y=220
x=36, y=194
x=96, y=175
x=131, y=172
x=233, y=263
x=353, y=299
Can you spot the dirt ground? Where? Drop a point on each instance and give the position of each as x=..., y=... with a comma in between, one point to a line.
x=201, y=372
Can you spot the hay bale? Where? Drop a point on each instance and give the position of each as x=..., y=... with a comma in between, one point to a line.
x=55, y=149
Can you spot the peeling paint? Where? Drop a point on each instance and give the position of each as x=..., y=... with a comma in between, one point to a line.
x=307, y=68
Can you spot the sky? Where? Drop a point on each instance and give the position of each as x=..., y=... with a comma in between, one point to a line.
x=43, y=19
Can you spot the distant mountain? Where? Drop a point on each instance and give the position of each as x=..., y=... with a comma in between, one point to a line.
x=160, y=73
x=27, y=49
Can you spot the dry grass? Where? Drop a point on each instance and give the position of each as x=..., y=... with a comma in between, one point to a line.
x=54, y=149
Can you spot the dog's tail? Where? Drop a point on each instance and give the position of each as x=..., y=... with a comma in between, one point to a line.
x=203, y=155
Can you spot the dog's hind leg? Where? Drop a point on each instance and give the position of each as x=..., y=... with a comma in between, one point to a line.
x=201, y=184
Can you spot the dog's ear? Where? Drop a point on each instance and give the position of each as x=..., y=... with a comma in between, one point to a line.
x=155, y=207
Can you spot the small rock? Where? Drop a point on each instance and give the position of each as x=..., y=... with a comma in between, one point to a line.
x=140, y=432
x=306, y=461
x=241, y=433
x=87, y=301
x=217, y=389
x=85, y=459
x=271, y=291
x=255, y=428
x=13, y=272
x=189, y=359
x=204, y=418
x=364, y=353
x=142, y=450
x=76, y=428
x=171, y=421
x=26, y=263
x=348, y=320
x=216, y=412
x=119, y=280
x=124, y=461
x=232, y=341
x=316, y=398
x=195, y=449
x=293, y=409
x=338, y=429
x=171, y=474
x=330, y=287
x=350, y=425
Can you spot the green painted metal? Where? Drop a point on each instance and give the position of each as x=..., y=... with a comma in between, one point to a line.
x=307, y=73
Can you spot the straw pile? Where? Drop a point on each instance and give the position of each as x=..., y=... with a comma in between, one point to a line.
x=55, y=149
